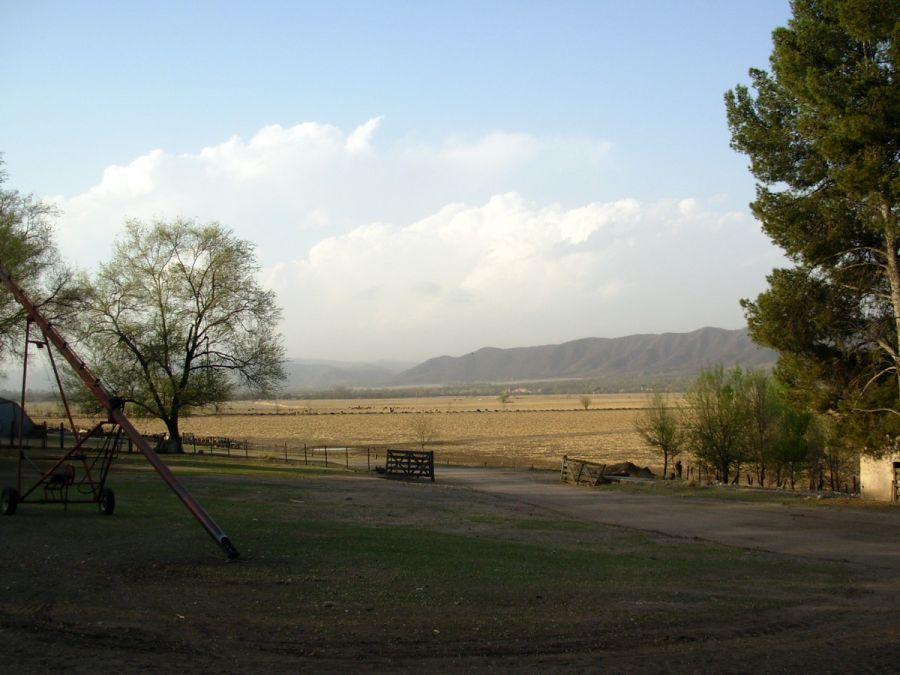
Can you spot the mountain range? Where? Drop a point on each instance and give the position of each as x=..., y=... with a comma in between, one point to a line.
x=625, y=362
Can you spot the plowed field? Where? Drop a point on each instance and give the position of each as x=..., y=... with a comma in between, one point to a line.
x=527, y=431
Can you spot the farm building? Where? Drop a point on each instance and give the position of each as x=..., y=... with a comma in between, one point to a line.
x=11, y=418
x=880, y=478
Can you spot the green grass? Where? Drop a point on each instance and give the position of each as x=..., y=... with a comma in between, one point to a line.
x=378, y=565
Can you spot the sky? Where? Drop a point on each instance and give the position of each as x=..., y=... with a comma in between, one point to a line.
x=419, y=178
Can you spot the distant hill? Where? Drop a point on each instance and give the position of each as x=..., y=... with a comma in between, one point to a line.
x=626, y=358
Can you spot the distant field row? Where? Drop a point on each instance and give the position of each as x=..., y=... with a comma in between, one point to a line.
x=436, y=404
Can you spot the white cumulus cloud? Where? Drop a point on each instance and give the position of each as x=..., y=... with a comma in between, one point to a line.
x=511, y=273
x=411, y=249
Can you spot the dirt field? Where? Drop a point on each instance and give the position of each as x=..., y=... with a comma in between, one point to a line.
x=482, y=570
x=529, y=430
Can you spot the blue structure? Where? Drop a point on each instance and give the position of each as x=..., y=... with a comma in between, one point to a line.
x=11, y=417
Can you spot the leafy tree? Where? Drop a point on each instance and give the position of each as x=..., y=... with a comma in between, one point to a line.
x=176, y=319
x=659, y=424
x=822, y=133
x=29, y=254
x=716, y=420
x=830, y=458
x=765, y=410
x=792, y=450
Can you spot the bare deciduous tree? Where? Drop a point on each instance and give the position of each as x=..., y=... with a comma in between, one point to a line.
x=423, y=429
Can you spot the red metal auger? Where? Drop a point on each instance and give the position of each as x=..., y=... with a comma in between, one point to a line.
x=55, y=481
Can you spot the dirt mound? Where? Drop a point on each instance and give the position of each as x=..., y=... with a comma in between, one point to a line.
x=627, y=469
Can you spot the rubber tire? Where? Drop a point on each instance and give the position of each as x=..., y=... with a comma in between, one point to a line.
x=9, y=500
x=107, y=502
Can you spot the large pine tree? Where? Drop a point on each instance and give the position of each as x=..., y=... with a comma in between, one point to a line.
x=822, y=131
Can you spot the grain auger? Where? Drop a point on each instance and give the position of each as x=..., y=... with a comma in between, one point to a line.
x=78, y=475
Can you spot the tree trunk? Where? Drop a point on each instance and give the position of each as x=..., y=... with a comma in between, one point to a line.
x=893, y=273
x=173, y=445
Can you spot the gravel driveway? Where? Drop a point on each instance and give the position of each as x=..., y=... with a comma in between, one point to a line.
x=856, y=534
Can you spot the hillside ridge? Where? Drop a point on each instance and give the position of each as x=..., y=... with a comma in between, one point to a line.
x=664, y=354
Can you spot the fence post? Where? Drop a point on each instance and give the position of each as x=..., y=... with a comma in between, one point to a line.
x=305, y=458
x=285, y=453
x=62, y=441
x=346, y=457
x=246, y=447
x=326, y=456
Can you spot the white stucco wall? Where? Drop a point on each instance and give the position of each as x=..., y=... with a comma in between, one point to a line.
x=876, y=478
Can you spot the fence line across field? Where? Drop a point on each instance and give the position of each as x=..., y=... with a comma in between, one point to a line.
x=336, y=454
x=43, y=436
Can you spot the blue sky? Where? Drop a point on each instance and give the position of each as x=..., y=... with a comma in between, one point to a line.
x=421, y=178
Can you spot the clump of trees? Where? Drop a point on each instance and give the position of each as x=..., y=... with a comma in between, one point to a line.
x=743, y=421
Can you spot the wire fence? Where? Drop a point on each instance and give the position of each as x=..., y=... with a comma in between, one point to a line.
x=43, y=439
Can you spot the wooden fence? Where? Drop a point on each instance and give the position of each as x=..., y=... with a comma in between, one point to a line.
x=581, y=472
x=410, y=463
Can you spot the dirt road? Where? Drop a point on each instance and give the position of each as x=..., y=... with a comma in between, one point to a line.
x=865, y=536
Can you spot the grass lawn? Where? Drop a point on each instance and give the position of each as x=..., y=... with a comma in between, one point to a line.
x=338, y=568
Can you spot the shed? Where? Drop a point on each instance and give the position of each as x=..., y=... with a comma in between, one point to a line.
x=879, y=479
x=11, y=417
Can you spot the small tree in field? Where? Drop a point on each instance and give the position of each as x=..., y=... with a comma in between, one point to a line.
x=660, y=427
x=423, y=428
x=585, y=401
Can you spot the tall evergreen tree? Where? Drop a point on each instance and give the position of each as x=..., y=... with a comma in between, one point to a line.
x=822, y=132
